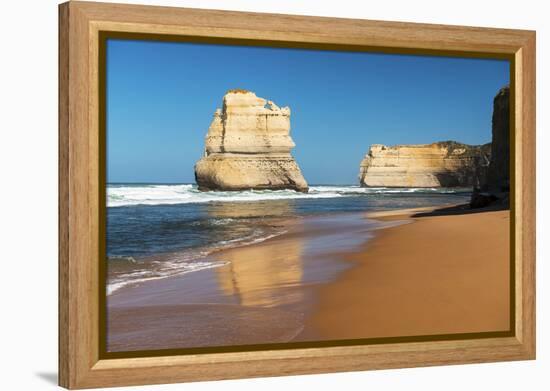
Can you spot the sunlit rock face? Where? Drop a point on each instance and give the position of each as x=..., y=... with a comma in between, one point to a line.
x=441, y=164
x=248, y=146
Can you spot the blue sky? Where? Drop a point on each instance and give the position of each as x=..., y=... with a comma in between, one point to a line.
x=161, y=97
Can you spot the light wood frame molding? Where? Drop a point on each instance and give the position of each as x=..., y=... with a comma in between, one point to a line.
x=80, y=24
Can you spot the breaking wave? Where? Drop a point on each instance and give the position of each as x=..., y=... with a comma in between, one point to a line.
x=128, y=195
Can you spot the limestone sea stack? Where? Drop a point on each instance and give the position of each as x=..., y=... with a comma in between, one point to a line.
x=441, y=164
x=495, y=187
x=248, y=147
x=498, y=178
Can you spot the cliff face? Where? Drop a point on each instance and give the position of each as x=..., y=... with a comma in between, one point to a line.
x=442, y=164
x=248, y=147
x=498, y=178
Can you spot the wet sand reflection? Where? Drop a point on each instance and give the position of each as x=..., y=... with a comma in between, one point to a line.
x=262, y=295
x=260, y=275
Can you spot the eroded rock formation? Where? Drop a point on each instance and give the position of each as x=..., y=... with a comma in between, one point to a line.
x=441, y=164
x=495, y=186
x=498, y=178
x=248, y=147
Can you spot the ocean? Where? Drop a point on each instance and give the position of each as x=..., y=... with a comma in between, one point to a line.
x=160, y=230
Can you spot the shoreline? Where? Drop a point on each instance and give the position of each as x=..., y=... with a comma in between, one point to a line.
x=292, y=287
x=286, y=225
x=401, y=285
x=262, y=294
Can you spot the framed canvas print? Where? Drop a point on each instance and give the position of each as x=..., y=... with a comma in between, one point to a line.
x=251, y=195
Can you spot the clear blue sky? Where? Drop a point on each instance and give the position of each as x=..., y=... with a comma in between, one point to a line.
x=161, y=98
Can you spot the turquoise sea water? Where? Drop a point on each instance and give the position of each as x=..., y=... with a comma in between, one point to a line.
x=159, y=230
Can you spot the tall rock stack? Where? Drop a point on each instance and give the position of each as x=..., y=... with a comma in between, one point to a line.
x=498, y=178
x=248, y=147
x=441, y=164
x=496, y=186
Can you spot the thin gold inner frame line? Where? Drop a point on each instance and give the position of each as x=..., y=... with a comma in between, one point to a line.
x=100, y=79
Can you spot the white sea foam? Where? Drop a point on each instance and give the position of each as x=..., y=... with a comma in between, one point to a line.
x=179, y=263
x=128, y=195
x=252, y=239
x=167, y=270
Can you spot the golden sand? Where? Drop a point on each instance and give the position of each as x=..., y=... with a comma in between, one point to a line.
x=441, y=273
x=438, y=275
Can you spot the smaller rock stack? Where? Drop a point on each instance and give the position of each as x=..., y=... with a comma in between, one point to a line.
x=441, y=164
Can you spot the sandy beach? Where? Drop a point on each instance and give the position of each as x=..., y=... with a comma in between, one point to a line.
x=344, y=276
x=442, y=274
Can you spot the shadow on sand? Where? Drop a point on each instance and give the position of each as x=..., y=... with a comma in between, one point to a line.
x=461, y=210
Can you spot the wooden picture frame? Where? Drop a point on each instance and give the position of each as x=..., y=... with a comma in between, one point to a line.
x=81, y=137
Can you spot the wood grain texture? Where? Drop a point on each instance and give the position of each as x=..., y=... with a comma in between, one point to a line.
x=527, y=187
x=63, y=178
x=79, y=169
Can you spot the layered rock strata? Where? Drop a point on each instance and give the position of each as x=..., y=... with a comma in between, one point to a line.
x=441, y=164
x=248, y=146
